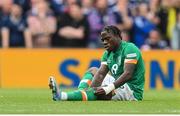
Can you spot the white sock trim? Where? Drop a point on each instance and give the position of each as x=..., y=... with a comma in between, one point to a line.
x=84, y=81
x=64, y=96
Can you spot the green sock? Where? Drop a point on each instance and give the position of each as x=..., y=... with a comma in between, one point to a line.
x=80, y=95
x=86, y=81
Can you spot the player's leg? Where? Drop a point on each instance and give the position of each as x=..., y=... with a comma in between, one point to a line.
x=77, y=95
x=124, y=93
x=121, y=93
x=87, y=78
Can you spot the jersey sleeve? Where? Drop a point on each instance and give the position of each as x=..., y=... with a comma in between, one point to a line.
x=131, y=54
x=104, y=58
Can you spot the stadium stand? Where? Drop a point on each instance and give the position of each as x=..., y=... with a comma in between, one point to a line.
x=41, y=20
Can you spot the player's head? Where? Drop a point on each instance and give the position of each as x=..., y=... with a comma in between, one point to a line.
x=110, y=37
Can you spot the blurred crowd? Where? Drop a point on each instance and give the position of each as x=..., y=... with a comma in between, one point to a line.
x=150, y=24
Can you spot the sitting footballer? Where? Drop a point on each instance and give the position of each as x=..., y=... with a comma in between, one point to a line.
x=120, y=76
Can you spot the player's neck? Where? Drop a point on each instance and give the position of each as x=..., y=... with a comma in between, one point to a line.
x=117, y=46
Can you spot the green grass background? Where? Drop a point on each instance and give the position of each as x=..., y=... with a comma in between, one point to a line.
x=38, y=101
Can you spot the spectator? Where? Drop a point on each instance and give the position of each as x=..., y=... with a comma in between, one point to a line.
x=175, y=41
x=25, y=5
x=5, y=6
x=154, y=41
x=142, y=25
x=73, y=28
x=42, y=24
x=98, y=18
x=153, y=9
x=0, y=26
x=122, y=9
x=61, y=6
x=87, y=6
x=68, y=3
x=14, y=29
x=112, y=3
x=136, y=18
x=167, y=16
x=125, y=36
x=57, y=6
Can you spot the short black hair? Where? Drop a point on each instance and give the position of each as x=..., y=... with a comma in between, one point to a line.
x=113, y=30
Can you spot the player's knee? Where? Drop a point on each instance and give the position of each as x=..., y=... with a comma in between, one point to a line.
x=93, y=70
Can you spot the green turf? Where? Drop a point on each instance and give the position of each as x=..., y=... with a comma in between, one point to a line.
x=38, y=101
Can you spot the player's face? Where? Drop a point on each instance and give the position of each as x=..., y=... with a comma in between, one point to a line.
x=108, y=41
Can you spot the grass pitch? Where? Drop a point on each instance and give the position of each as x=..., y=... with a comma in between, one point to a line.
x=38, y=101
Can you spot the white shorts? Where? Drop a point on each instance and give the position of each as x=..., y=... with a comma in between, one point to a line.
x=123, y=93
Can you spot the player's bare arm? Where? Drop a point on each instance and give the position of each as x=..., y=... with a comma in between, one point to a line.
x=126, y=76
x=99, y=76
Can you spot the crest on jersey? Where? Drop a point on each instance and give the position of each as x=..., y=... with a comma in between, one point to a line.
x=108, y=61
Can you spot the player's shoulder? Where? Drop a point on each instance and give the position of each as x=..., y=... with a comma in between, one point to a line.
x=105, y=53
x=129, y=45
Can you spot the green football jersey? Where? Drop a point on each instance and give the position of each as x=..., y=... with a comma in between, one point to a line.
x=127, y=53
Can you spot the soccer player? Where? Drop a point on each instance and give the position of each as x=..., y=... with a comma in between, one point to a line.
x=122, y=71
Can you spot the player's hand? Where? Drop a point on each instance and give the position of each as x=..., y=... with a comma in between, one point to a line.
x=101, y=95
x=100, y=91
x=105, y=90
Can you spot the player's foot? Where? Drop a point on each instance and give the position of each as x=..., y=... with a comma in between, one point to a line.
x=55, y=90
